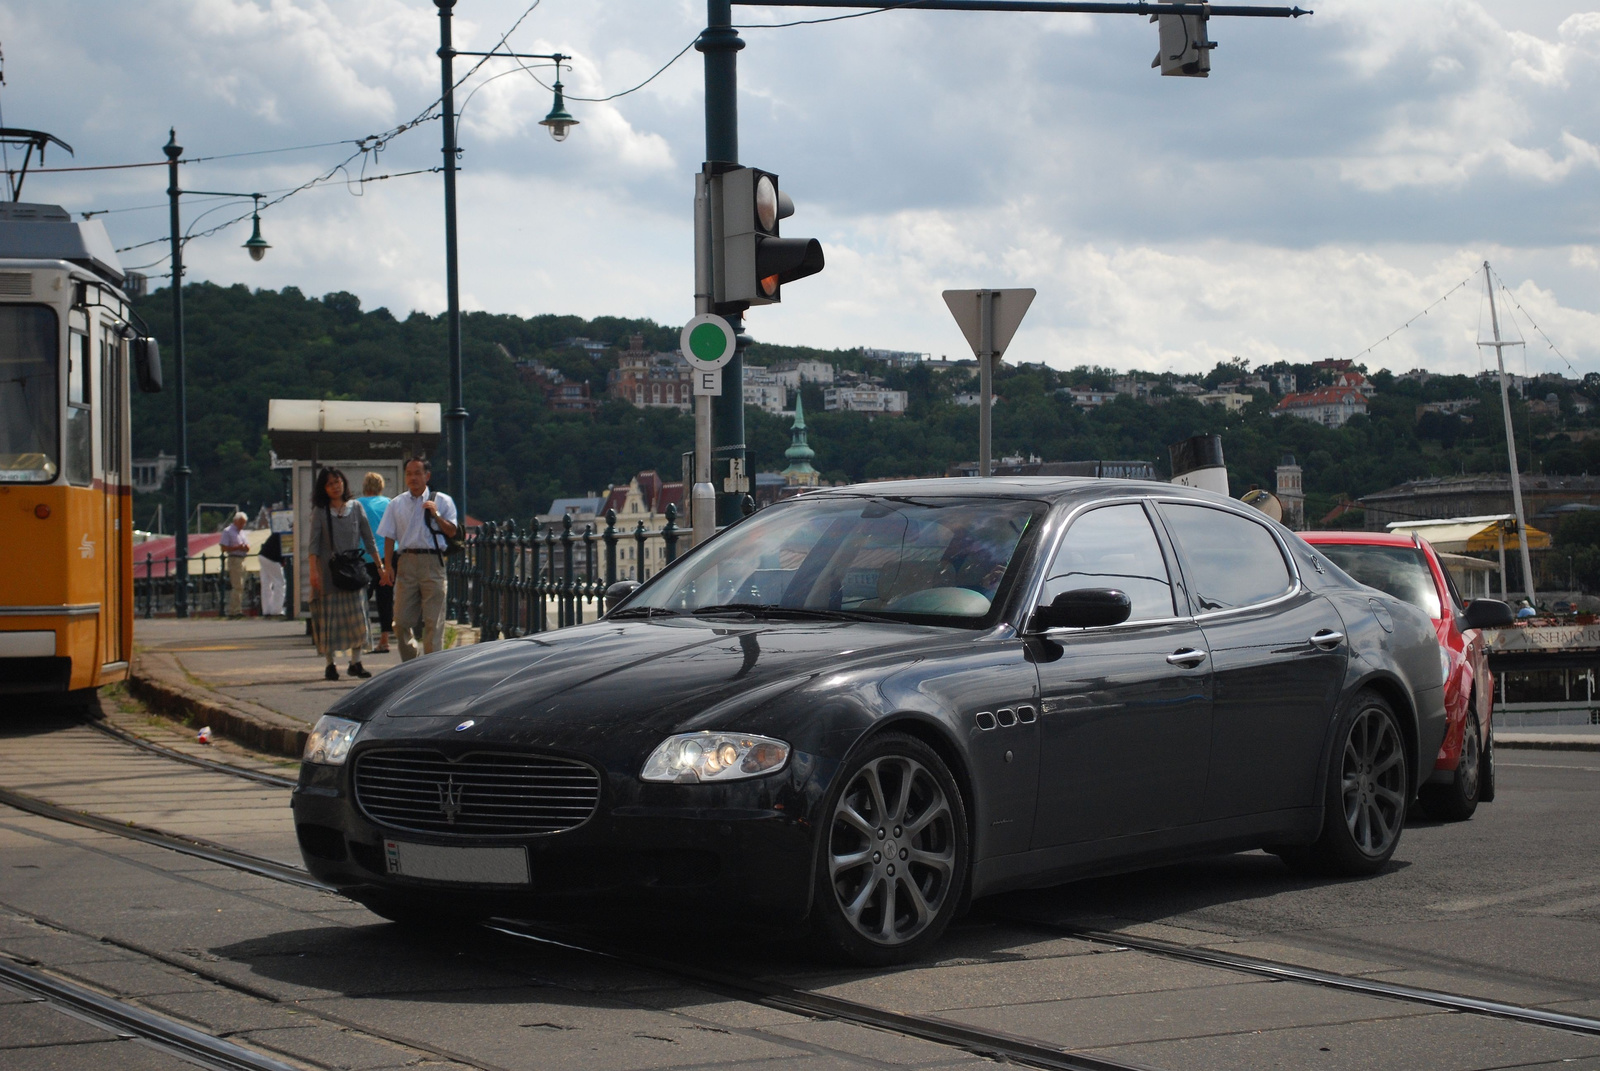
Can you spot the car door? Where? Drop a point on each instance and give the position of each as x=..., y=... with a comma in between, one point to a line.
x=1124, y=727
x=1278, y=656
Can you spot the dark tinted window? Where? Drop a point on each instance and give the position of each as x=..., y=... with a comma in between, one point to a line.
x=28, y=422
x=1401, y=571
x=1228, y=560
x=1114, y=547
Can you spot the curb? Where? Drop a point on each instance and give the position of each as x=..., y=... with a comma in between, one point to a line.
x=157, y=680
x=1553, y=743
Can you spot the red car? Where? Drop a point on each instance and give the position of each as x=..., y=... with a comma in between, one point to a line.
x=1407, y=567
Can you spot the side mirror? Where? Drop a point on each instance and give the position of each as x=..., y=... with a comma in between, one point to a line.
x=1083, y=608
x=1487, y=613
x=619, y=591
x=146, y=355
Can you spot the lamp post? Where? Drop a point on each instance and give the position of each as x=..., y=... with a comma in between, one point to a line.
x=558, y=122
x=257, y=247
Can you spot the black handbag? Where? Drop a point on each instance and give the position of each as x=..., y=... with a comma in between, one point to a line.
x=345, y=567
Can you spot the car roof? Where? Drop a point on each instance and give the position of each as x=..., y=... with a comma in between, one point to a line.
x=1045, y=487
x=1365, y=539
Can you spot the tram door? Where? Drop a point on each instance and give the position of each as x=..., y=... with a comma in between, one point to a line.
x=113, y=475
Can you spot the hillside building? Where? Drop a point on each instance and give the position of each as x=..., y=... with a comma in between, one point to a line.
x=651, y=380
x=1329, y=406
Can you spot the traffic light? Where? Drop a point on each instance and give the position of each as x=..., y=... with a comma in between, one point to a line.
x=1185, y=50
x=753, y=261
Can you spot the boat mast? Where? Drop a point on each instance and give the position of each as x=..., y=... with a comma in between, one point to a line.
x=1511, y=442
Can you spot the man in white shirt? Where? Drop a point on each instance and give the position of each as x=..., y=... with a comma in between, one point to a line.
x=416, y=524
x=237, y=547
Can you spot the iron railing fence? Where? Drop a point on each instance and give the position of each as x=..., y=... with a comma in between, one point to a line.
x=155, y=589
x=512, y=580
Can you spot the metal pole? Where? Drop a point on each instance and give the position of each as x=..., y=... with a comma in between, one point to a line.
x=985, y=382
x=1511, y=443
x=456, y=418
x=720, y=43
x=180, y=481
x=702, y=495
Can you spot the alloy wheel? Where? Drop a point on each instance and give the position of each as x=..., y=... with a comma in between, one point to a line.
x=1373, y=776
x=1468, y=769
x=892, y=850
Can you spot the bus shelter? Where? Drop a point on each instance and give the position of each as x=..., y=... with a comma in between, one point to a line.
x=355, y=437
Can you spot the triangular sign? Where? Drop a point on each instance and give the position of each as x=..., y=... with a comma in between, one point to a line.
x=1010, y=306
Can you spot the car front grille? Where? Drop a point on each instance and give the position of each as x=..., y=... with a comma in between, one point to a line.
x=481, y=794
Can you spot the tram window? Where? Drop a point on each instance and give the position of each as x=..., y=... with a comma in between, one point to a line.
x=29, y=448
x=113, y=389
x=80, y=426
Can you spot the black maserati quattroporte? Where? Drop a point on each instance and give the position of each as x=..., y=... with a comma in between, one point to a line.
x=862, y=707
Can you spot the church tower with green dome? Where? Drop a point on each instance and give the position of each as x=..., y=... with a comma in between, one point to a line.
x=799, y=472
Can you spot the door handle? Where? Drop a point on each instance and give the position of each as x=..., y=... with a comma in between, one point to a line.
x=1326, y=639
x=1188, y=658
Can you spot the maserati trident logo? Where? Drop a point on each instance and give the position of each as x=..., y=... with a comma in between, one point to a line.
x=464, y=726
x=450, y=798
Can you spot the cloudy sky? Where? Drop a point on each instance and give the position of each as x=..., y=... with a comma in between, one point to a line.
x=1335, y=175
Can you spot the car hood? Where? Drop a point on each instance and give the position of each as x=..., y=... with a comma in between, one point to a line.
x=579, y=687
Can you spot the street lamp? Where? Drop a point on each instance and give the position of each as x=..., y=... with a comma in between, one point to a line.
x=558, y=122
x=258, y=247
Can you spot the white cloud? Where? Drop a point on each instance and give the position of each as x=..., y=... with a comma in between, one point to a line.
x=1331, y=178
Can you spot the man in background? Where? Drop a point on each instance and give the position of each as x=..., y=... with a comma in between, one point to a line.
x=237, y=548
x=416, y=525
x=272, y=588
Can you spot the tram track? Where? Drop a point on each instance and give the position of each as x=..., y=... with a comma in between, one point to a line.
x=978, y=1041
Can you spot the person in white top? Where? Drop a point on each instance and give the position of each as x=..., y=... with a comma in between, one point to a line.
x=417, y=524
x=237, y=547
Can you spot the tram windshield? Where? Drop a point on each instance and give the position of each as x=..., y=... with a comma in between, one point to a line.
x=29, y=408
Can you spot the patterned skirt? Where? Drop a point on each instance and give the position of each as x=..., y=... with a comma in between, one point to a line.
x=339, y=621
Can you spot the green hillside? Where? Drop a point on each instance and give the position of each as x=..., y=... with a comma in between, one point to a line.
x=245, y=347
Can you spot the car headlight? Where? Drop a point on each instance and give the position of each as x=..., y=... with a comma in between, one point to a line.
x=330, y=740
x=693, y=757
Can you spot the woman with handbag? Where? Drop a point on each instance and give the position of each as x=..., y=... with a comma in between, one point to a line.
x=339, y=532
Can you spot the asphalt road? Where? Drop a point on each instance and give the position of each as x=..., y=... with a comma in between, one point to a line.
x=1505, y=907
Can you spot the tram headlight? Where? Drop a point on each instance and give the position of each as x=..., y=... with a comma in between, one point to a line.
x=330, y=740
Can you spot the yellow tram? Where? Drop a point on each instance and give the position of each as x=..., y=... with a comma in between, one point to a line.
x=66, y=521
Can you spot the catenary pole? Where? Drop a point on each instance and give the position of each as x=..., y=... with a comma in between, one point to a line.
x=180, y=474
x=456, y=417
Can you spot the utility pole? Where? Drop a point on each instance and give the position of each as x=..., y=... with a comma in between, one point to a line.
x=720, y=43
x=180, y=474
x=456, y=416
x=1511, y=443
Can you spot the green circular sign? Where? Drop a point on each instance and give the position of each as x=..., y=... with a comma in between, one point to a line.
x=707, y=342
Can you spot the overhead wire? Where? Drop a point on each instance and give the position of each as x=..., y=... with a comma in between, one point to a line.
x=367, y=149
x=825, y=18
x=1507, y=292
x=1442, y=299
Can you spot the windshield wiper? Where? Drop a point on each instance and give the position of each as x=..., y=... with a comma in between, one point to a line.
x=642, y=611
x=773, y=610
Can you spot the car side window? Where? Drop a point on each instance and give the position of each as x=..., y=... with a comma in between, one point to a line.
x=1114, y=547
x=1228, y=560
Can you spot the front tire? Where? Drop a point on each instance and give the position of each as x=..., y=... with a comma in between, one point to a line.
x=1456, y=801
x=892, y=858
x=1365, y=802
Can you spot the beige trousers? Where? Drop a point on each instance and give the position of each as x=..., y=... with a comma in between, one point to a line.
x=235, y=585
x=419, y=604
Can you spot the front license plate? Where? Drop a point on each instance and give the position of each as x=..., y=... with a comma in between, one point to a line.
x=470, y=866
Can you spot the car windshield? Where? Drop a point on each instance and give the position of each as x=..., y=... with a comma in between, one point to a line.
x=28, y=417
x=910, y=558
x=1401, y=571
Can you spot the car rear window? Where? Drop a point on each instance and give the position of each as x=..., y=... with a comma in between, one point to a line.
x=1401, y=571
